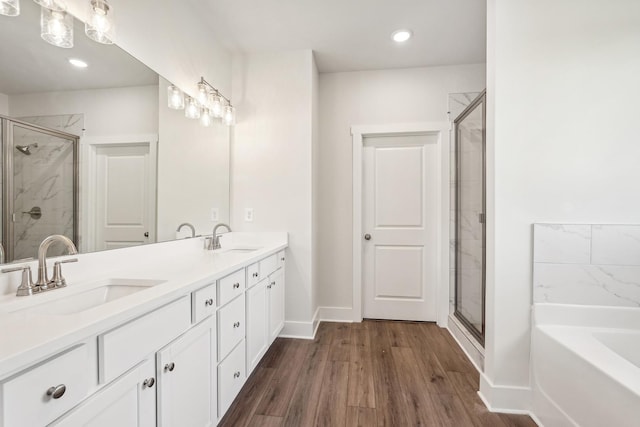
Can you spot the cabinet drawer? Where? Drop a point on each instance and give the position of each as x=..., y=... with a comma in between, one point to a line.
x=231, y=376
x=203, y=303
x=231, y=326
x=269, y=265
x=25, y=398
x=122, y=348
x=253, y=274
x=230, y=286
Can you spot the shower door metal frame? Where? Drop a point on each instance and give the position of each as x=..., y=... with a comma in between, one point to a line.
x=481, y=99
x=7, y=178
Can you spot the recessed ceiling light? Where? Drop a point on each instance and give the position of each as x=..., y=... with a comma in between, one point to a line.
x=401, y=35
x=78, y=63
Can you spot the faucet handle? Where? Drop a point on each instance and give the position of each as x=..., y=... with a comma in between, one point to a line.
x=26, y=285
x=64, y=261
x=58, y=281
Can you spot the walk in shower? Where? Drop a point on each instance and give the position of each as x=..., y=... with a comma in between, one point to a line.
x=470, y=233
x=39, y=187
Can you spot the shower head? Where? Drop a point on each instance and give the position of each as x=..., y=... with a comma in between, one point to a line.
x=26, y=149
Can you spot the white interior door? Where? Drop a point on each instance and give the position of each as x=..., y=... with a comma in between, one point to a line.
x=399, y=227
x=125, y=195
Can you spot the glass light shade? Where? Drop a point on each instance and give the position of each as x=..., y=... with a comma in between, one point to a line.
x=56, y=27
x=229, y=115
x=206, y=118
x=217, y=105
x=100, y=25
x=10, y=7
x=203, y=93
x=191, y=109
x=175, y=98
x=57, y=5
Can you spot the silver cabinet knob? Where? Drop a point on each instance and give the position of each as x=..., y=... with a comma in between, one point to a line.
x=57, y=392
x=236, y=285
x=208, y=302
x=282, y=259
x=169, y=367
x=273, y=283
x=149, y=382
x=367, y=236
x=255, y=274
x=236, y=325
x=236, y=374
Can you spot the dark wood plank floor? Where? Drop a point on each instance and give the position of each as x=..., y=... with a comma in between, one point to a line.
x=374, y=373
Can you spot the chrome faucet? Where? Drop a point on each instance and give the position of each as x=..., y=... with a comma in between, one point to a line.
x=186, y=224
x=43, y=282
x=216, y=238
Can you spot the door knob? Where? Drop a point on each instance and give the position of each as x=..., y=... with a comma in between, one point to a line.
x=367, y=236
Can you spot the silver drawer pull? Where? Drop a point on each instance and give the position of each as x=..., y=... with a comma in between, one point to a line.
x=255, y=274
x=236, y=374
x=236, y=285
x=236, y=325
x=208, y=302
x=169, y=367
x=57, y=392
x=282, y=259
x=149, y=382
x=273, y=283
x=268, y=286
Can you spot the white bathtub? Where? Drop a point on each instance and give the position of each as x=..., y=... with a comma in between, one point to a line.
x=586, y=365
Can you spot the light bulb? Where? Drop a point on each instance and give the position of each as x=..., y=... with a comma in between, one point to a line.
x=57, y=5
x=175, y=98
x=191, y=109
x=217, y=106
x=206, y=119
x=99, y=26
x=10, y=7
x=229, y=115
x=56, y=27
x=203, y=93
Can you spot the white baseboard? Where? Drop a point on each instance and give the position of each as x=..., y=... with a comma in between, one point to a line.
x=301, y=330
x=335, y=314
x=468, y=344
x=505, y=399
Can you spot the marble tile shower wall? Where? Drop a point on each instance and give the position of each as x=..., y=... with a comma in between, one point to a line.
x=44, y=179
x=457, y=104
x=590, y=264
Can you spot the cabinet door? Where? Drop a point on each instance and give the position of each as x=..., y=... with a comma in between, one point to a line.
x=187, y=378
x=128, y=401
x=257, y=324
x=276, y=304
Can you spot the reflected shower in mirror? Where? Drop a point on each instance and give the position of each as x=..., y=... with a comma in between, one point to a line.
x=93, y=152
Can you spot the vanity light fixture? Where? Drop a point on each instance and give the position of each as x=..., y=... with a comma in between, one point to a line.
x=206, y=118
x=217, y=105
x=229, y=115
x=203, y=93
x=56, y=27
x=57, y=5
x=100, y=26
x=401, y=36
x=175, y=98
x=191, y=109
x=10, y=7
x=78, y=63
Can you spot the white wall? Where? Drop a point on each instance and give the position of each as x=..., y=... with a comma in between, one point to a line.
x=193, y=172
x=272, y=161
x=368, y=98
x=171, y=38
x=118, y=111
x=562, y=145
x=315, y=183
x=4, y=104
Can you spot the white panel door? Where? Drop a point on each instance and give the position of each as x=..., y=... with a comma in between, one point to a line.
x=399, y=227
x=125, y=196
x=276, y=304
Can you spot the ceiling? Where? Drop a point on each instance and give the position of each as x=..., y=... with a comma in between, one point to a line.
x=350, y=35
x=28, y=64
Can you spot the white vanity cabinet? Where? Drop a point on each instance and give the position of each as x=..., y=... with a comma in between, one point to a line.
x=276, y=304
x=186, y=378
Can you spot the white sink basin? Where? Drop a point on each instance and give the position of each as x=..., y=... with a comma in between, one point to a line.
x=240, y=250
x=85, y=299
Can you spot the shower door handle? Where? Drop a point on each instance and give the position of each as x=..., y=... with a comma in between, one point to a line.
x=34, y=213
x=481, y=218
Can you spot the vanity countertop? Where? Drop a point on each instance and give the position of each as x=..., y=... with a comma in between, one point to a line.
x=180, y=267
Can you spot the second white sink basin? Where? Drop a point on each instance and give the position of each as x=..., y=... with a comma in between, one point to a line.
x=95, y=296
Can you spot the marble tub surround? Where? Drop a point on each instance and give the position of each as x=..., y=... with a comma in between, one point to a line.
x=179, y=267
x=587, y=264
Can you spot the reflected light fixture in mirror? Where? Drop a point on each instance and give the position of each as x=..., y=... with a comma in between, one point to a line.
x=56, y=27
x=100, y=26
x=57, y=5
x=216, y=102
x=175, y=98
x=203, y=93
x=229, y=115
x=206, y=118
x=10, y=7
x=191, y=109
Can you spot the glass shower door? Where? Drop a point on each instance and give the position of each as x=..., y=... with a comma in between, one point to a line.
x=43, y=184
x=470, y=218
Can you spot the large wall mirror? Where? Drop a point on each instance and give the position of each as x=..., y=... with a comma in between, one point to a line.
x=94, y=152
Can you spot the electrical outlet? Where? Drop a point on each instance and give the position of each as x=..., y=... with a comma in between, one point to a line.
x=248, y=214
x=215, y=214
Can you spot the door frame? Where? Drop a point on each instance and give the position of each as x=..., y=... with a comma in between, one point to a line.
x=441, y=129
x=88, y=171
